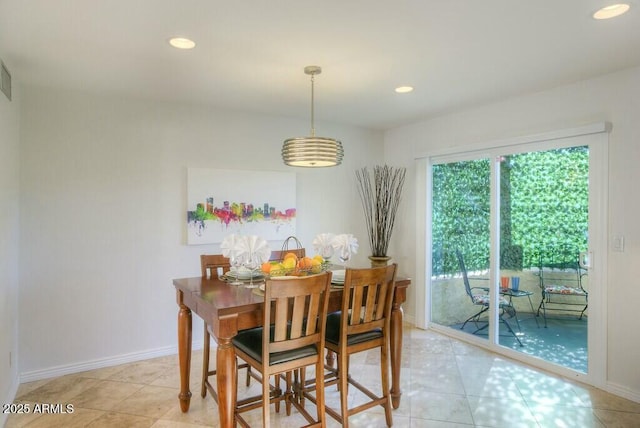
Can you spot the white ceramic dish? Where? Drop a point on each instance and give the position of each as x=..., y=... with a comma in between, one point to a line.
x=338, y=277
x=244, y=274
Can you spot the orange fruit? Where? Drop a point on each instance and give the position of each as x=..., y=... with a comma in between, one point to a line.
x=305, y=263
x=266, y=267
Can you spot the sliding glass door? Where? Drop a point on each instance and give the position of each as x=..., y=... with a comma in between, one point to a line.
x=509, y=238
x=460, y=250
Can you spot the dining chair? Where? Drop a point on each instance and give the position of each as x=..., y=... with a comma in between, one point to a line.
x=292, y=338
x=211, y=266
x=279, y=254
x=367, y=300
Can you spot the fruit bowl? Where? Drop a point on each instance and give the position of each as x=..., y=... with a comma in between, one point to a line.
x=291, y=265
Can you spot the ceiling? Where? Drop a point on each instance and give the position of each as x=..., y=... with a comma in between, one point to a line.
x=250, y=54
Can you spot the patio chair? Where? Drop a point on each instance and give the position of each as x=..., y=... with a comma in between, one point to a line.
x=561, y=282
x=480, y=297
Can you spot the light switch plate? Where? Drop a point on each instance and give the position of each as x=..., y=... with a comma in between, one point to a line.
x=617, y=243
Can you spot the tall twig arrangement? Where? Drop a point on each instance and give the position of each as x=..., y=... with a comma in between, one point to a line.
x=380, y=199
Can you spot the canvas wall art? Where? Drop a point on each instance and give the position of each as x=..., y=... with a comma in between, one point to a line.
x=221, y=202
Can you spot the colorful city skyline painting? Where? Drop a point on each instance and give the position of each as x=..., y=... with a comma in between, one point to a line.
x=223, y=202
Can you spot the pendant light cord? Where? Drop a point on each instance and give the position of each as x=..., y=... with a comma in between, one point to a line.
x=313, y=128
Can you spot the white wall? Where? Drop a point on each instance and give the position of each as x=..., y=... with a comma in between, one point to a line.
x=9, y=240
x=614, y=98
x=103, y=194
x=103, y=209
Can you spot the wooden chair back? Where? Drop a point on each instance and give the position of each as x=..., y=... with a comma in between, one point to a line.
x=364, y=323
x=367, y=298
x=209, y=264
x=294, y=319
x=297, y=315
x=278, y=254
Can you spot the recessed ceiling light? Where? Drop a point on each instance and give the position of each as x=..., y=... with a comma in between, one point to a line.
x=182, y=43
x=404, y=89
x=611, y=11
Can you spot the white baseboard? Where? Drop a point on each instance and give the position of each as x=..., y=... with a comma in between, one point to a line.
x=13, y=390
x=101, y=363
x=623, y=391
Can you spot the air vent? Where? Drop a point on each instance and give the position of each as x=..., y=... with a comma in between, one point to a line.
x=5, y=82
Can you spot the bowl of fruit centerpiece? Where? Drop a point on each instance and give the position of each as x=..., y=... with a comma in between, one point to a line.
x=292, y=265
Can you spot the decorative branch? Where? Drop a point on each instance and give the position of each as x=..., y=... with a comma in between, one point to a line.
x=380, y=200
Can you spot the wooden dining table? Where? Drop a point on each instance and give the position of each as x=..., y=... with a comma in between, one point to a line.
x=227, y=309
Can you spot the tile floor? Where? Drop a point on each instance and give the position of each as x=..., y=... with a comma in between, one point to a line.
x=445, y=383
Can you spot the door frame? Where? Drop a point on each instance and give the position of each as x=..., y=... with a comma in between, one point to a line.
x=598, y=137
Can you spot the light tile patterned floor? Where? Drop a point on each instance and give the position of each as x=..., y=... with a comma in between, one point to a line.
x=445, y=383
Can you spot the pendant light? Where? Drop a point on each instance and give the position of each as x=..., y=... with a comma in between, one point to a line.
x=312, y=152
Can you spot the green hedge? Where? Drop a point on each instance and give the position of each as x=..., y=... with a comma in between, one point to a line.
x=543, y=211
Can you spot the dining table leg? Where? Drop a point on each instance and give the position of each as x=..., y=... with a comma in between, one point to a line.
x=226, y=366
x=396, y=353
x=184, y=353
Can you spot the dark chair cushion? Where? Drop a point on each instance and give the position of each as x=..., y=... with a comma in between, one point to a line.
x=250, y=341
x=333, y=331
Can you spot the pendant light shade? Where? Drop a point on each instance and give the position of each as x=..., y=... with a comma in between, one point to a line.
x=312, y=152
